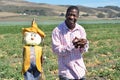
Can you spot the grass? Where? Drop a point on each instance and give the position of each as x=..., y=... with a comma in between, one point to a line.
x=102, y=60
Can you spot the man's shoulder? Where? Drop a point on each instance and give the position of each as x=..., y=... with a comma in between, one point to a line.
x=59, y=27
x=79, y=26
x=61, y=24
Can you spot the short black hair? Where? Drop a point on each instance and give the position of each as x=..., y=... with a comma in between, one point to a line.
x=72, y=7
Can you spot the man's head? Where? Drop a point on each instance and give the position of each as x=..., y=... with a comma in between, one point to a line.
x=72, y=15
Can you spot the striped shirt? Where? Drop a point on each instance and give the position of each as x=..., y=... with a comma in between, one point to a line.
x=70, y=59
x=32, y=55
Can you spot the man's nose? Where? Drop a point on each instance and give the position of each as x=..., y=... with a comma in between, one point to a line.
x=72, y=17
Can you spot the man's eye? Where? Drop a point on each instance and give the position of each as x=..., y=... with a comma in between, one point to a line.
x=69, y=14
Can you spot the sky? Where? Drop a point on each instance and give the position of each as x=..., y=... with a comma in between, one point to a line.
x=87, y=3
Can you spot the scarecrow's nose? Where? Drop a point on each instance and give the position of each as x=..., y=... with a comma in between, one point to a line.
x=32, y=38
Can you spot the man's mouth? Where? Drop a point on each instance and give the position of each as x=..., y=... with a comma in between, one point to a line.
x=71, y=21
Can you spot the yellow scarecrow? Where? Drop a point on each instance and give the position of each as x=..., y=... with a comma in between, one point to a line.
x=32, y=53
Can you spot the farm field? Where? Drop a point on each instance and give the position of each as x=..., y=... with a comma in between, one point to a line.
x=47, y=20
x=102, y=60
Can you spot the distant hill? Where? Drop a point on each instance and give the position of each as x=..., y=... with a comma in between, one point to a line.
x=22, y=7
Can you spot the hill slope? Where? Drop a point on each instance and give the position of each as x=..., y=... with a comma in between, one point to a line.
x=23, y=7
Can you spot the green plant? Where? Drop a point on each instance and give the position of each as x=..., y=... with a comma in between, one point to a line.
x=102, y=60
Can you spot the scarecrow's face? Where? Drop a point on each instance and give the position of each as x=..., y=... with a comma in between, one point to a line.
x=31, y=38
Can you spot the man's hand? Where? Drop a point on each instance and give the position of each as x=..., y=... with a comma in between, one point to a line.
x=79, y=43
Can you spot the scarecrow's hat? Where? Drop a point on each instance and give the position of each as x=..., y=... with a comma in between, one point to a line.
x=34, y=28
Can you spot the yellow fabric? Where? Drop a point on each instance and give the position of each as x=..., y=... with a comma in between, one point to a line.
x=34, y=28
x=26, y=58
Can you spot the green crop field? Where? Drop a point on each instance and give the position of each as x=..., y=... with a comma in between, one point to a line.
x=102, y=60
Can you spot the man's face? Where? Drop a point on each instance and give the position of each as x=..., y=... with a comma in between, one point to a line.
x=71, y=18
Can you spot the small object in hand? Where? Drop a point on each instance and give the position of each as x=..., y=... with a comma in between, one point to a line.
x=82, y=43
x=79, y=42
x=75, y=41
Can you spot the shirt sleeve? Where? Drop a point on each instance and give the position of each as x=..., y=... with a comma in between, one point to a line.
x=82, y=32
x=83, y=35
x=57, y=47
x=86, y=47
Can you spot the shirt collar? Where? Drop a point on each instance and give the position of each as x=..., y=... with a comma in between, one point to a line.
x=66, y=28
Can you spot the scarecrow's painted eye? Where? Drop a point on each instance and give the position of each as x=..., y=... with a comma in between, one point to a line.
x=34, y=35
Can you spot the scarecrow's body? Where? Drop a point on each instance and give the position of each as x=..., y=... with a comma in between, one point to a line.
x=32, y=53
x=32, y=62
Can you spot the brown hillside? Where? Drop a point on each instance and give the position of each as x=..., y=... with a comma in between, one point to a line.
x=22, y=7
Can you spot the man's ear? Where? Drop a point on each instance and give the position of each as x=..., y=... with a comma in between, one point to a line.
x=65, y=15
x=78, y=15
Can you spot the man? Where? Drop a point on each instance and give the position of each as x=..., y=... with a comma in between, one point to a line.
x=69, y=42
